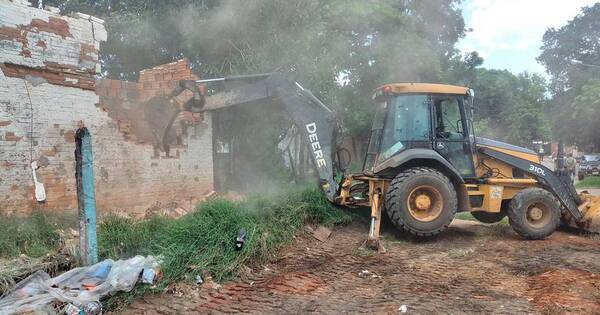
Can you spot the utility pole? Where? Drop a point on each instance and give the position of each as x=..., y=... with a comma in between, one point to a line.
x=86, y=197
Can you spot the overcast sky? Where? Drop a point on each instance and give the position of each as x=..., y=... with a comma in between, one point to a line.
x=508, y=33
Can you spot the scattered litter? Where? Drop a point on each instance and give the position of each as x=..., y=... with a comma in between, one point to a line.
x=321, y=233
x=92, y=308
x=151, y=271
x=199, y=279
x=241, y=238
x=209, y=283
x=368, y=274
x=24, y=266
x=80, y=287
x=403, y=308
x=71, y=309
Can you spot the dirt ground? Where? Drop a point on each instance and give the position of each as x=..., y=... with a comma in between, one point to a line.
x=471, y=268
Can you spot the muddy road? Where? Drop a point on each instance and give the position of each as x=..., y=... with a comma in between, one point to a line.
x=471, y=268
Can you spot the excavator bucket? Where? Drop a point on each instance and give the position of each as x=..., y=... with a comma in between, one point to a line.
x=590, y=208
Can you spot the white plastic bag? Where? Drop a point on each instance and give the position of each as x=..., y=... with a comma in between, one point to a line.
x=77, y=286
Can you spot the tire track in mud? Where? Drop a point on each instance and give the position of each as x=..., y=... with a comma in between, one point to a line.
x=468, y=269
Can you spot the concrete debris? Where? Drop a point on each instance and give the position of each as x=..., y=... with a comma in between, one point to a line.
x=208, y=282
x=321, y=233
x=171, y=209
x=211, y=195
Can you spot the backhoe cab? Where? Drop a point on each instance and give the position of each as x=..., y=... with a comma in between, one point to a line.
x=424, y=163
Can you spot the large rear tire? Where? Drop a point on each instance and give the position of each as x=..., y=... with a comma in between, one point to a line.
x=421, y=201
x=534, y=213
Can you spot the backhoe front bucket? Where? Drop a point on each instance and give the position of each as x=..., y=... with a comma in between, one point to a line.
x=590, y=208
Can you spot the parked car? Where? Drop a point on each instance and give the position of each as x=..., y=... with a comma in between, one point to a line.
x=589, y=166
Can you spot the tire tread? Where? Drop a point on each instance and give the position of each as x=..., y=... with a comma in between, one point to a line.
x=397, y=186
x=517, y=206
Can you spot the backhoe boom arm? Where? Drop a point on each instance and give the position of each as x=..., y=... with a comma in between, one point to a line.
x=315, y=120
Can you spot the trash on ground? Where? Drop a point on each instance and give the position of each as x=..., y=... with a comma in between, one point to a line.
x=241, y=238
x=151, y=271
x=92, y=308
x=20, y=268
x=368, y=274
x=208, y=282
x=81, y=287
x=403, y=308
x=71, y=309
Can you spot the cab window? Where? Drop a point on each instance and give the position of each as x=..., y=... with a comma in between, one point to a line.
x=448, y=119
x=407, y=121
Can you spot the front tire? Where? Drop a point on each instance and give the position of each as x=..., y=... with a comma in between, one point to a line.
x=534, y=213
x=421, y=201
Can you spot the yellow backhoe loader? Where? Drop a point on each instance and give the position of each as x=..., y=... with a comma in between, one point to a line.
x=423, y=163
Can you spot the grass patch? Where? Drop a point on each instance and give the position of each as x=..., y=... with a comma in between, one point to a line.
x=589, y=182
x=465, y=216
x=200, y=241
x=34, y=236
x=468, y=216
x=204, y=239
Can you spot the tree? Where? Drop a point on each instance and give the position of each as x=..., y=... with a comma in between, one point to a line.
x=508, y=107
x=572, y=82
x=367, y=42
x=584, y=113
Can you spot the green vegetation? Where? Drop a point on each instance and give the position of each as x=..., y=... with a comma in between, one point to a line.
x=572, y=58
x=201, y=241
x=204, y=239
x=342, y=50
x=465, y=216
x=364, y=43
x=34, y=236
x=589, y=182
x=469, y=217
x=508, y=107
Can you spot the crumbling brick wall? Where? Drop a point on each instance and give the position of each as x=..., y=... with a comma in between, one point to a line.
x=183, y=174
x=48, y=64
